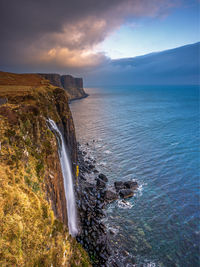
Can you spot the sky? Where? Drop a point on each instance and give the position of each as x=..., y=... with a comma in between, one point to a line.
x=81, y=35
x=153, y=34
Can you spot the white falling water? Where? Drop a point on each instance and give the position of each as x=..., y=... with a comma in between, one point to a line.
x=67, y=178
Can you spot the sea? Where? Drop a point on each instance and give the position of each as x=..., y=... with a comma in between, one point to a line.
x=149, y=134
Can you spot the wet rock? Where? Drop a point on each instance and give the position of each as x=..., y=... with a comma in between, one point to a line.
x=111, y=232
x=90, y=166
x=82, y=177
x=131, y=185
x=125, y=253
x=83, y=207
x=110, y=196
x=119, y=185
x=103, y=177
x=93, y=235
x=103, y=256
x=101, y=183
x=126, y=193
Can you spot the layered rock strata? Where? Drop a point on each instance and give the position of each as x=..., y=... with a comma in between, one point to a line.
x=73, y=86
x=33, y=215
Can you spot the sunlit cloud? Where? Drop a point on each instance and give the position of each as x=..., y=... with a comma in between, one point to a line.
x=65, y=34
x=65, y=57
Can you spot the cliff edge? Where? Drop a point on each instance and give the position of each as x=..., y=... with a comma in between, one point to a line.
x=73, y=86
x=33, y=215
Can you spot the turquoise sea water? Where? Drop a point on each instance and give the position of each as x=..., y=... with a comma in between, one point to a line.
x=150, y=134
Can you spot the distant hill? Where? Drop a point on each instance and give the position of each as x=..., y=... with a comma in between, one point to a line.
x=175, y=66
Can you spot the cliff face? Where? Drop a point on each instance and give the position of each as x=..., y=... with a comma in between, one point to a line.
x=33, y=213
x=73, y=86
x=54, y=78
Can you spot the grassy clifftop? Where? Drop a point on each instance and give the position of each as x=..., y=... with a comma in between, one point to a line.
x=33, y=228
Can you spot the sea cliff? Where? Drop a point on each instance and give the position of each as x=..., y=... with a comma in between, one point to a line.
x=33, y=211
x=73, y=86
x=33, y=229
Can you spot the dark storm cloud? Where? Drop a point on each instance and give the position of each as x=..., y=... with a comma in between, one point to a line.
x=59, y=35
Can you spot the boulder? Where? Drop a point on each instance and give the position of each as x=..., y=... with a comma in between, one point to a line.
x=103, y=177
x=131, y=185
x=110, y=196
x=101, y=183
x=119, y=185
x=126, y=193
x=91, y=166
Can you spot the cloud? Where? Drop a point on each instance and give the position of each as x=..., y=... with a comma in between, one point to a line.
x=60, y=34
x=166, y=67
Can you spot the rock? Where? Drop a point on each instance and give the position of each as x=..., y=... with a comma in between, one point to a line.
x=131, y=185
x=125, y=253
x=55, y=79
x=111, y=232
x=126, y=193
x=103, y=177
x=110, y=196
x=101, y=183
x=119, y=185
x=98, y=195
x=73, y=86
x=91, y=166
x=82, y=177
x=83, y=207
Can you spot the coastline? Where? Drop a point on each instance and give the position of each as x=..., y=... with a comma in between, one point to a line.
x=34, y=221
x=27, y=101
x=78, y=98
x=93, y=197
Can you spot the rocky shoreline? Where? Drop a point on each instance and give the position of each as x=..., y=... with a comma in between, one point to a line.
x=78, y=98
x=93, y=195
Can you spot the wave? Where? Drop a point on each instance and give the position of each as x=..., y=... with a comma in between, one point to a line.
x=124, y=204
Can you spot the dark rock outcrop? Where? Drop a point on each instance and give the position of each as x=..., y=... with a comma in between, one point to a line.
x=90, y=202
x=131, y=185
x=93, y=196
x=103, y=177
x=110, y=196
x=101, y=183
x=126, y=193
x=119, y=185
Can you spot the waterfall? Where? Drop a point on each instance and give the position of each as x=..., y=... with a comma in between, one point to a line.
x=67, y=178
